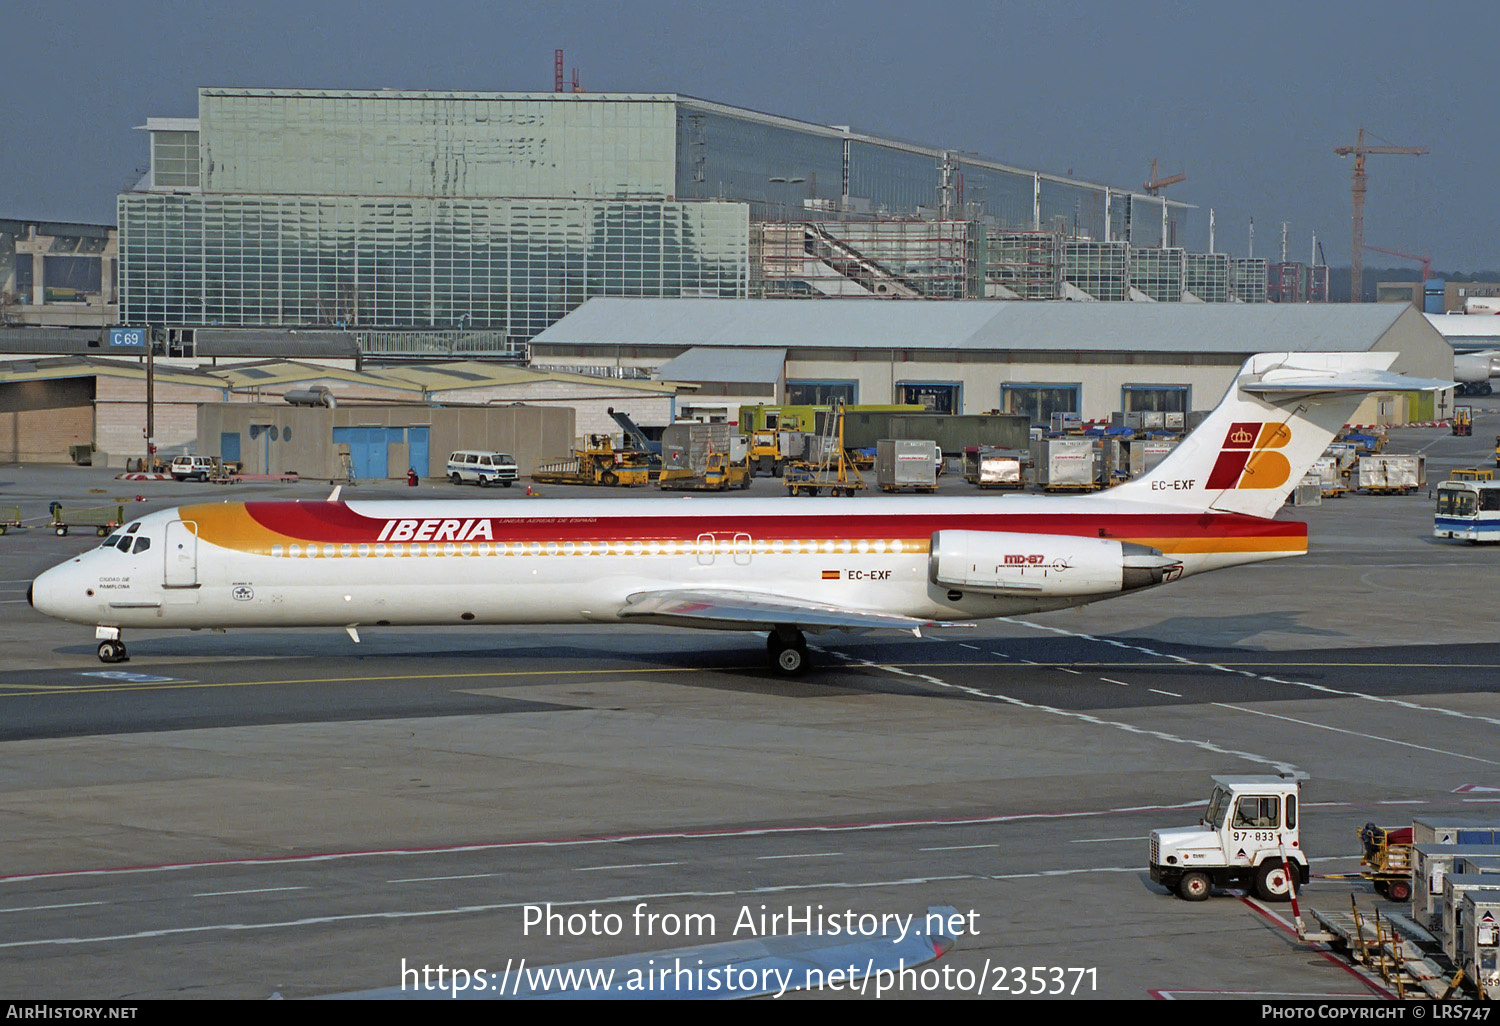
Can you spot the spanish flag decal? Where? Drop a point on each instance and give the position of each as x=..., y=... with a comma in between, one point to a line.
x=830, y=575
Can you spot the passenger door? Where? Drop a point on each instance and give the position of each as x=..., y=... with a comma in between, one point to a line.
x=181, y=555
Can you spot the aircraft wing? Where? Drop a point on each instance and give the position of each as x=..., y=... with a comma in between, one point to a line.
x=748, y=610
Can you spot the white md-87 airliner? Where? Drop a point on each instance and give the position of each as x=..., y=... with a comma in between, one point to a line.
x=781, y=565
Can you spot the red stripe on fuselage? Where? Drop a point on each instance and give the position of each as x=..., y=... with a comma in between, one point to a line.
x=335, y=522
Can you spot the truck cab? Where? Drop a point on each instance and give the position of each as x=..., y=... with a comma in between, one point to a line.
x=1248, y=836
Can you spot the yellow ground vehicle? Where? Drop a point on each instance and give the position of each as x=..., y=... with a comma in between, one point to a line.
x=1463, y=420
x=1387, y=860
x=599, y=463
x=765, y=452
x=718, y=475
x=830, y=470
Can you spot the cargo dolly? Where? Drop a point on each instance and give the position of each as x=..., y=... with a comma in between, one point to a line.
x=10, y=516
x=102, y=519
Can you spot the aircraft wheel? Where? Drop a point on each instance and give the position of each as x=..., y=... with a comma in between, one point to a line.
x=1193, y=886
x=1273, y=882
x=113, y=652
x=788, y=656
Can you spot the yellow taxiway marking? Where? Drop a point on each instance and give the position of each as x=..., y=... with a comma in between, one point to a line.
x=32, y=690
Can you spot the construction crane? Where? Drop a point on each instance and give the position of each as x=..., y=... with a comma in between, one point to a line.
x=1155, y=184
x=1425, y=261
x=1356, y=255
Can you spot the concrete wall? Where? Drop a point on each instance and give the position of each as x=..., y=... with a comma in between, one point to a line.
x=120, y=417
x=529, y=433
x=40, y=419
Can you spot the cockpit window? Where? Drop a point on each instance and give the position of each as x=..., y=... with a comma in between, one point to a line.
x=142, y=543
x=132, y=528
x=110, y=542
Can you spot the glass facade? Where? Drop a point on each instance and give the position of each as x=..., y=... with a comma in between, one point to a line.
x=779, y=171
x=1073, y=210
x=501, y=212
x=390, y=143
x=999, y=198
x=174, y=160
x=513, y=265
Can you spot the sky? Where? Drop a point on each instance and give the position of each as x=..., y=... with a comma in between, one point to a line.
x=1248, y=99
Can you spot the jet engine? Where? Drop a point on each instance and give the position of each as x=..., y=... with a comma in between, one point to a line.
x=1002, y=563
x=1473, y=371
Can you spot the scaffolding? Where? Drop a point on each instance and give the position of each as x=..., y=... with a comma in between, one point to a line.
x=890, y=259
x=1023, y=265
x=1205, y=276
x=1284, y=282
x=1157, y=274
x=1317, y=283
x=1100, y=269
x=1247, y=279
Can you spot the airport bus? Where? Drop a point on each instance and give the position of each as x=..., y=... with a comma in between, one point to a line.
x=1468, y=510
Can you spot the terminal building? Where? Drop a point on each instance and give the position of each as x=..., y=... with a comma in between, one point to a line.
x=465, y=224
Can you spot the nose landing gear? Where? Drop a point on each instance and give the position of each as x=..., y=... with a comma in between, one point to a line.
x=111, y=648
x=113, y=652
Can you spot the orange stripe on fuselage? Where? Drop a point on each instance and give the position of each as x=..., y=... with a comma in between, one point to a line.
x=257, y=527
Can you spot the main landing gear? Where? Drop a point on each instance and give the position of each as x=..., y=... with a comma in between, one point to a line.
x=788, y=650
x=111, y=648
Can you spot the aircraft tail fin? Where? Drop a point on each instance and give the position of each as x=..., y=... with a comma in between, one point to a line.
x=1277, y=418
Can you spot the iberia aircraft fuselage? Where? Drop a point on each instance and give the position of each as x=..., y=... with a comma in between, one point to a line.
x=780, y=565
x=831, y=561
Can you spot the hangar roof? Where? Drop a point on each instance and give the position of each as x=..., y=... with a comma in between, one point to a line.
x=707, y=363
x=56, y=368
x=461, y=374
x=976, y=325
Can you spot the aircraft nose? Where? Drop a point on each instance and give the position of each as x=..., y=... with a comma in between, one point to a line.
x=47, y=593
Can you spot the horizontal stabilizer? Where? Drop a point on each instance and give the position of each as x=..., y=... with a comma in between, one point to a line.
x=1296, y=382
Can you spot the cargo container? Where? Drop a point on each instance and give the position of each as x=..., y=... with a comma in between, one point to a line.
x=996, y=468
x=902, y=463
x=1330, y=478
x=703, y=457
x=1451, y=922
x=1392, y=474
x=1066, y=423
x=1437, y=829
x=1431, y=863
x=1309, y=491
x=1066, y=463
x=1479, y=940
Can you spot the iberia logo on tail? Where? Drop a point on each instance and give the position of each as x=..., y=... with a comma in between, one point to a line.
x=1250, y=457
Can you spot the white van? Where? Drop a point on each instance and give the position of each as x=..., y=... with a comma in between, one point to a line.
x=482, y=468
